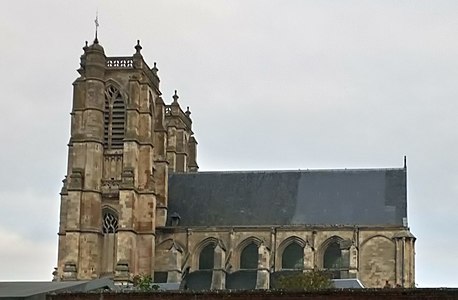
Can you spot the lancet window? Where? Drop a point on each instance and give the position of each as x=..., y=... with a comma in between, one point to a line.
x=206, y=257
x=114, y=118
x=109, y=222
x=293, y=257
x=333, y=260
x=249, y=257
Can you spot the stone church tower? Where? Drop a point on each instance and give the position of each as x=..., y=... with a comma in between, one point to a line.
x=124, y=142
x=133, y=202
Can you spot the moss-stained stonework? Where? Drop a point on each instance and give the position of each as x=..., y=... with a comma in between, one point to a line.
x=133, y=202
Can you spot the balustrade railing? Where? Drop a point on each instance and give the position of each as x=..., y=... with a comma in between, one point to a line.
x=168, y=110
x=120, y=62
x=181, y=115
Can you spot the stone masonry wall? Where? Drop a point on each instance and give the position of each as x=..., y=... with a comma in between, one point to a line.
x=374, y=251
x=393, y=294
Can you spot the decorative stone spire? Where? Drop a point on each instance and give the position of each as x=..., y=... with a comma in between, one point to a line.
x=83, y=59
x=138, y=48
x=155, y=69
x=95, y=46
x=188, y=112
x=137, y=57
x=175, y=98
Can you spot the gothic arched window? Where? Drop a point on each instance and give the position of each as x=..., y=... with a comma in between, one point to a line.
x=332, y=256
x=109, y=229
x=207, y=257
x=109, y=222
x=293, y=257
x=114, y=118
x=333, y=260
x=249, y=257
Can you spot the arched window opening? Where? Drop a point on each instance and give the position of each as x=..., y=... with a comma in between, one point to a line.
x=293, y=257
x=249, y=257
x=333, y=261
x=207, y=257
x=114, y=118
x=109, y=222
x=333, y=256
x=109, y=229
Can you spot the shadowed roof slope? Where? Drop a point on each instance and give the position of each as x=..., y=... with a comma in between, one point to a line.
x=37, y=290
x=317, y=197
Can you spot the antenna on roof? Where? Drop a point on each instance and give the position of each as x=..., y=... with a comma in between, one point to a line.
x=405, y=161
x=96, y=21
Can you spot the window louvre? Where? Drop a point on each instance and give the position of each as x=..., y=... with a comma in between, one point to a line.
x=114, y=119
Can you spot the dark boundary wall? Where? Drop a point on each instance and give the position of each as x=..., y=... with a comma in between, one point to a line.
x=267, y=295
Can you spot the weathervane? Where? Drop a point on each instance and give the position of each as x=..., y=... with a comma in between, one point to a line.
x=96, y=21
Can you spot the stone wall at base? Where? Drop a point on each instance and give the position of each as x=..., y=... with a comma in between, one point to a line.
x=394, y=294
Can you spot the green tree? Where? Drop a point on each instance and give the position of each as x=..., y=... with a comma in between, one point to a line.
x=308, y=281
x=144, y=283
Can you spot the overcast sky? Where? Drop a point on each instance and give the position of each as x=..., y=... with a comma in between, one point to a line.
x=271, y=85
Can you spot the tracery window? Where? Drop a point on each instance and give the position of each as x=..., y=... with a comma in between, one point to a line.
x=293, y=257
x=114, y=118
x=249, y=257
x=109, y=222
x=207, y=257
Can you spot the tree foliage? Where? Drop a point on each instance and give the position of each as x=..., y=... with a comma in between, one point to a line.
x=308, y=281
x=144, y=283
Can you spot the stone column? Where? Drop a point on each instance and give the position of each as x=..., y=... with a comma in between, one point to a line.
x=345, y=251
x=192, y=149
x=263, y=275
x=181, y=154
x=171, y=147
x=160, y=163
x=176, y=255
x=131, y=179
x=405, y=260
x=399, y=261
x=145, y=210
x=353, y=272
x=219, y=272
x=126, y=236
x=80, y=228
x=172, y=123
x=309, y=257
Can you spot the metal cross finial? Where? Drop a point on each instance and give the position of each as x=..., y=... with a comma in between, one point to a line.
x=96, y=21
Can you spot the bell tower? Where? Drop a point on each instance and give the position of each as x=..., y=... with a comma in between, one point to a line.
x=117, y=169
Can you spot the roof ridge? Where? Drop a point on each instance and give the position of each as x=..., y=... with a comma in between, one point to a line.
x=289, y=171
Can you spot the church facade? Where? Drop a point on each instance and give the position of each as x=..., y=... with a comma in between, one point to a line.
x=134, y=203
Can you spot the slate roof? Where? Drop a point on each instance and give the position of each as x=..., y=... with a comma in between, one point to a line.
x=38, y=289
x=309, y=197
x=351, y=283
